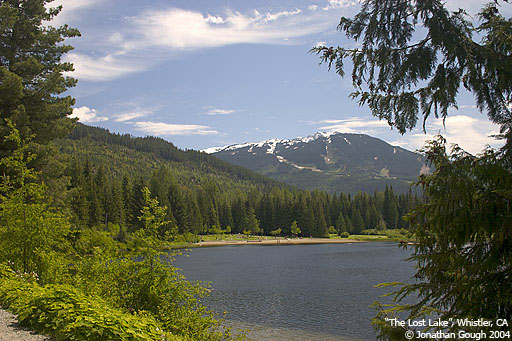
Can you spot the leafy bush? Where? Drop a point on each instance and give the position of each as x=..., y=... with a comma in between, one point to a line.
x=370, y=232
x=66, y=313
x=90, y=239
x=187, y=237
x=344, y=235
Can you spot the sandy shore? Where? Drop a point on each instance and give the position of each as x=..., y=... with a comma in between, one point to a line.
x=293, y=241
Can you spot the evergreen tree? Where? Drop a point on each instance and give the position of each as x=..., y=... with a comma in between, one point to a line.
x=251, y=224
x=390, y=210
x=414, y=56
x=31, y=74
x=178, y=205
x=357, y=223
x=341, y=226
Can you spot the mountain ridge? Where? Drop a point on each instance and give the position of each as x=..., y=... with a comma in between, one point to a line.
x=331, y=161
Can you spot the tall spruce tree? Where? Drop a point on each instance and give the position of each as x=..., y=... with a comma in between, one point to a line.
x=32, y=73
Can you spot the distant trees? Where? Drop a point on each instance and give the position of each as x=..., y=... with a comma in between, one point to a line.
x=99, y=198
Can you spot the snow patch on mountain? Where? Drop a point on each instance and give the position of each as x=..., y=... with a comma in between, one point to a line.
x=272, y=143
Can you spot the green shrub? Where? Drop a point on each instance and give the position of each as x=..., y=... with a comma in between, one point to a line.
x=148, y=283
x=66, y=313
x=91, y=239
x=187, y=237
x=344, y=235
x=370, y=232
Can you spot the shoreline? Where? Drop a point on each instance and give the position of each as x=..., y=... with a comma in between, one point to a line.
x=288, y=241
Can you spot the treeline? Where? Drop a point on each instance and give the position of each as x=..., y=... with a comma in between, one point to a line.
x=100, y=198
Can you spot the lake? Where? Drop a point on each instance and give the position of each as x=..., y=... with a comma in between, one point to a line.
x=321, y=291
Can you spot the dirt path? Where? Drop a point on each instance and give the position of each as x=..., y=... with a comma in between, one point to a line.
x=11, y=331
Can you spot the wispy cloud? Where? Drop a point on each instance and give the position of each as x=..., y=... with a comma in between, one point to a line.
x=129, y=116
x=160, y=128
x=87, y=115
x=104, y=68
x=70, y=9
x=354, y=125
x=214, y=111
x=167, y=32
x=184, y=29
x=335, y=4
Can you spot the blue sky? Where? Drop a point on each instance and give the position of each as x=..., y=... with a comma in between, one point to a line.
x=211, y=73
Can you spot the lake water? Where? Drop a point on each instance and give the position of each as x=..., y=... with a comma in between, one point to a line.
x=298, y=291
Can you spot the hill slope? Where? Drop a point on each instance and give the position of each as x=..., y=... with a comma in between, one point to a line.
x=140, y=156
x=333, y=162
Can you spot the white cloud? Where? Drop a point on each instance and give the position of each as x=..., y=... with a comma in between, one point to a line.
x=355, y=125
x=185, y=29
x=104, y=68
x=470, y=133
x=145, y=39
x=336, y=4
x=115, y=38
x=87, y=115
x=213, y=111
x=275, y=16
x=320, y=43
x=70, y=9
x=215, y=19
x=129, y=116
x=313, y=7
x=159, y=128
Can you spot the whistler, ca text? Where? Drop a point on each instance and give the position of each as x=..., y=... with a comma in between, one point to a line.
x=446, y=334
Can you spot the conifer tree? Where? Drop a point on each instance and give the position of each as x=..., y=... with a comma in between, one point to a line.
x=32, y=74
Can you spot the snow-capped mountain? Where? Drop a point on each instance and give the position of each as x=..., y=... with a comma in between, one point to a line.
x=329, y=161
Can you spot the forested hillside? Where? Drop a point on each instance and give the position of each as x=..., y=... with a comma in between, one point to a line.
x=204, y=194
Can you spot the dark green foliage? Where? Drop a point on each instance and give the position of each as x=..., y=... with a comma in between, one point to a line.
x=416, y=55
x=30, y=230
x=414, y=58
x=31, y=79
x=163, y=150
x=357, y=223
x=464, y=241
x=67, y=314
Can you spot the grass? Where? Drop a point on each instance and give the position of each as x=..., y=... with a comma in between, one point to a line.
x=366, y=235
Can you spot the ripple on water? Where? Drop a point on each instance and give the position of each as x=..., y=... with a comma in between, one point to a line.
x=316, y=291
